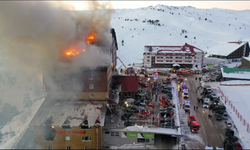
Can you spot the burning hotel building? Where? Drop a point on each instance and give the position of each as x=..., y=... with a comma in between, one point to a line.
x=73, y=114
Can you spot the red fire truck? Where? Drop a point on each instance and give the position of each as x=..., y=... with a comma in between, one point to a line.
x=179, y=79
x=193, y=124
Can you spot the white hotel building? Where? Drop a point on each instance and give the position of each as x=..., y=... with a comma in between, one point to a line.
x=165, y=56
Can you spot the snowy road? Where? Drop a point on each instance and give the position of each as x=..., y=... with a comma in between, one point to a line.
x=211, y=131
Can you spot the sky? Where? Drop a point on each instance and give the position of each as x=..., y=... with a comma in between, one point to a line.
x=234, y=5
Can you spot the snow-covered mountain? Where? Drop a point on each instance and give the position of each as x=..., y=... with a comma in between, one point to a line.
x=168, y=25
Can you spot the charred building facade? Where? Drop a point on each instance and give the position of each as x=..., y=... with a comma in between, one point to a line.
x=73, y=114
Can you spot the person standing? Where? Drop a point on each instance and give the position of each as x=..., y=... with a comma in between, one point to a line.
x=189, y=112
x=194, y=107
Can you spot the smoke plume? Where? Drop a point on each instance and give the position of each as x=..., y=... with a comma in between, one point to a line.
x=37, y=33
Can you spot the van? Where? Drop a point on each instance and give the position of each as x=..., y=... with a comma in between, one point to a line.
x=185, y=93
x=206, y=103
x=187, y=105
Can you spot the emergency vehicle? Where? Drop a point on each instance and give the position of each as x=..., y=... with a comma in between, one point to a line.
x=180, y=79
x=193, y=124
x=186, y=105
x=169, y=79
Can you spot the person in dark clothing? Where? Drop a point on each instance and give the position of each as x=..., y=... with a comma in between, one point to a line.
x=189, y=112
x=196, y=107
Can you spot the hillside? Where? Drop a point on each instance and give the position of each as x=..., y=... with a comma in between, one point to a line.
x=168, y=25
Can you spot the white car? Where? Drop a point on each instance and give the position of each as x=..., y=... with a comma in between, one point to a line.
x=206, y=103
x=208, y=147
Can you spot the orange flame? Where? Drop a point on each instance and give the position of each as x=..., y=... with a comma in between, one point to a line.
x=72, y=52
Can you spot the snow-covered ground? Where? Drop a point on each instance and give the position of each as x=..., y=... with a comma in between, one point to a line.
x=239, y=98
x=205, y=29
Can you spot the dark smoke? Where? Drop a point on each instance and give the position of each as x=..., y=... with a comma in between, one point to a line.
x=34, y=37
x=33, y=33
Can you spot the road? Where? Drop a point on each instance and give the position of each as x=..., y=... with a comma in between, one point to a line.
x=211, y=130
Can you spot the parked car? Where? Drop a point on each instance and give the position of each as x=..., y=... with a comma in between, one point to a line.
x=229, y=146
x=167, y=125
x=231, y=139
x=228, y=124
x=209, y=147
x=219, y=107
x=216, y=102
x=214, y=96
x=168, y=113
x=164, y=91
x=213, y=78
x=169, y=95
x=126, y=116
x=224, y=116
x=228, y=132
x=237, y=145
x=197, y=71
x=218, y=117
x=171, y=120
x=133, y=110
x=220, y=111
x=128, y=123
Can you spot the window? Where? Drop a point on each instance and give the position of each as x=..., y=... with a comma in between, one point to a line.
x=91, y=95
x=148, y=56
x=106, y=132
x=91, y=86
x=67, y=138
x=125, y=94
x=148, y=60
x=171, y=57
x=114, y=133
x=68, y=147
x=49, y=147
x=86, y=147
x=91, y=77
x=86, y=138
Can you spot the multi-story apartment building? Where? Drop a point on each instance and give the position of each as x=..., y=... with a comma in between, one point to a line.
x=187, y=56
x=73, y=114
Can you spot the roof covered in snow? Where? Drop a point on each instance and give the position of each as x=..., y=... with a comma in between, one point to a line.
x=237, y=73
x=172, y=49
x=225, y=48
x=71, y=112
x=212, y=60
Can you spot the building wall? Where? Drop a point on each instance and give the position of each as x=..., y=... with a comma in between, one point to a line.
x=245, y=63
x=116, y=139
x=127, y=94
x=75, y=139
x=86, y=84
x=166, y=60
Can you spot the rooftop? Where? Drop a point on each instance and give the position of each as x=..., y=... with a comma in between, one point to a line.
x=237, y=73
x=72, y=112
x=247, y=58
x=224, y=49
x=172, y=49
